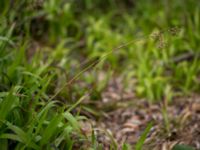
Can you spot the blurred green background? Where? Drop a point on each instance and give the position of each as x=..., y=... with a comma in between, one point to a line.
x=45, y=43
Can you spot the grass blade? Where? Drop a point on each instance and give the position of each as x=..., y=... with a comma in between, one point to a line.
x=51, y=129
x=6, y=106
x=20, y=136
x=72, y=120
x=140, y=142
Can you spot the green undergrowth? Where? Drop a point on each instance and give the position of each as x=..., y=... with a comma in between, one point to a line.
x=52, y=52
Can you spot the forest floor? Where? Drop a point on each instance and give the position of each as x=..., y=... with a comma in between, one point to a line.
x=125, y=118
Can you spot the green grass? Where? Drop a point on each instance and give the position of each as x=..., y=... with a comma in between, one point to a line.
x=36, y=97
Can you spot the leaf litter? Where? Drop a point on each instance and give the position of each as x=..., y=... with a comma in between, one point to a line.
x=126, y=117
